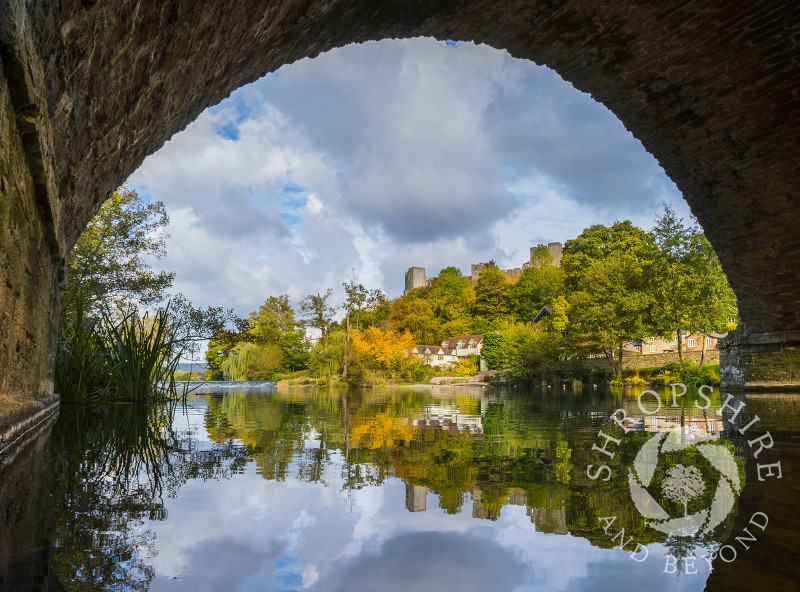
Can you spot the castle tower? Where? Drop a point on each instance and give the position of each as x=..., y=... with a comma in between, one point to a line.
x=415, y=278
x=557, y=252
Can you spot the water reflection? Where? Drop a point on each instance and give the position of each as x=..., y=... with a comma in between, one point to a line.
x=392, y=489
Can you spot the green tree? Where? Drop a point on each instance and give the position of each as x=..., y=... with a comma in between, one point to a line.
x=451, y=296
x=416, y=316
x=109, y=262
x=274, y=323
x=248, y=361
x=272, y=320
x=356, y=295
x=378, y=308
x=673, y=286
x=537, y=287
x=533, y=352
x=598, y=242
x=609, y=306
x=318, y=313
x=491, y=293
x=495, y=350
x=714, y=302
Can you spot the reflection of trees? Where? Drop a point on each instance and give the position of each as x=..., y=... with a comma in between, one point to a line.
x=115, y=464
x=112, y=466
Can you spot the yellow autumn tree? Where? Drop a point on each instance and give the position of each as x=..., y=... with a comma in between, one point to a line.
x=380, y=348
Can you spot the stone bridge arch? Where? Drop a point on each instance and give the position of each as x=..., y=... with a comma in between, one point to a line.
x=89, y=88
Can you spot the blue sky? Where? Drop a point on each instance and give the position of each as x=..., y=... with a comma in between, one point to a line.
x=386, y=155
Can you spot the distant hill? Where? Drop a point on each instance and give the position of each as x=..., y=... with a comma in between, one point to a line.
x=194, y=367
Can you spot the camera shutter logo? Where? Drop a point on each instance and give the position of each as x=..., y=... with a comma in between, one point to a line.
x=683, y=484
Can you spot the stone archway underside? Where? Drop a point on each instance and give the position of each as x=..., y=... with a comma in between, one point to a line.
x=90, y=88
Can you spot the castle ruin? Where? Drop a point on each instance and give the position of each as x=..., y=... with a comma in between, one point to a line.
x=416, y=278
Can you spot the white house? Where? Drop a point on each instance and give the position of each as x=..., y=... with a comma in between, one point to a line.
x=451, y=351
x=435, y=355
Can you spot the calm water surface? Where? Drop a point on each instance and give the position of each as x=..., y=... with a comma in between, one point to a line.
x=417, y=489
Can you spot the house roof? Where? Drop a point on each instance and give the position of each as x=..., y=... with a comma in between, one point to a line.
x=452, y=341
x=545, y=312
x=433, y=349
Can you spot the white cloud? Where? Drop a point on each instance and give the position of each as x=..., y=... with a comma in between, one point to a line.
x=380, y=156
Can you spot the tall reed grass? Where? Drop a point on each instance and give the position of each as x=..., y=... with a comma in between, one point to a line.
x=132, y=358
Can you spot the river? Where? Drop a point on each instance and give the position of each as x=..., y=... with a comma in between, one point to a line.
x=434, y=488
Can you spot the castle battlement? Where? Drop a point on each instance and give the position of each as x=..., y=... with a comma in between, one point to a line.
x=416, y=278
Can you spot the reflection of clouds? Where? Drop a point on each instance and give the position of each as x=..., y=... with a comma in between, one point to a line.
x=247, y=533
x=603, y=576
x=220, y=564
x=428, y=561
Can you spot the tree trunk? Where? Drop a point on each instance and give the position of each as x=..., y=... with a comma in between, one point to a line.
x=703, y=352
x=619, y=371
x=346, y=346
x=680, y=347
x=609, y=354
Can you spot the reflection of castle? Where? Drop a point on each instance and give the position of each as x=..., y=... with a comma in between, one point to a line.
x=551, y=517
x=416, y=497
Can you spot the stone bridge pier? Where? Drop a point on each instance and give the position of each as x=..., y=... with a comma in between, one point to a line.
x=89, y=88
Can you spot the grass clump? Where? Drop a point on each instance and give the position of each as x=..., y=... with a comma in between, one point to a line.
x=132, y=358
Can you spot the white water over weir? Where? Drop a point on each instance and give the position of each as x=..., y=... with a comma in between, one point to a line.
x=210, y=387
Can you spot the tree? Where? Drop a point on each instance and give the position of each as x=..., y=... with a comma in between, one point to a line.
x=356, y=295
x=382, y=347
x=378, y=308
x=714, y=302
x=609, y=306
x=274, y=323
x=538, y=286
x=672, y=271
x=248, y=361
x=683, y=484
x=598, y=242
x=491, y=293
x=451, y=296
x=317, y=313
x=416, y=316
x=608, y=283
x=691, y=291
x=109, y=261
x=532, y=352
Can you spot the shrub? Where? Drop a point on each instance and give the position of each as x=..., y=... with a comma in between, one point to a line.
x=467, y=367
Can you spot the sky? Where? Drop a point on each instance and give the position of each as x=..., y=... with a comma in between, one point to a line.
x=377, y=157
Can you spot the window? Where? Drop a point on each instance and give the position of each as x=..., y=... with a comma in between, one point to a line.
x=690, y=343
x=440, y=357
x=652, y=348
x=651, y=339
x=708, y=342
x=638, y=348
x=471, y=344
